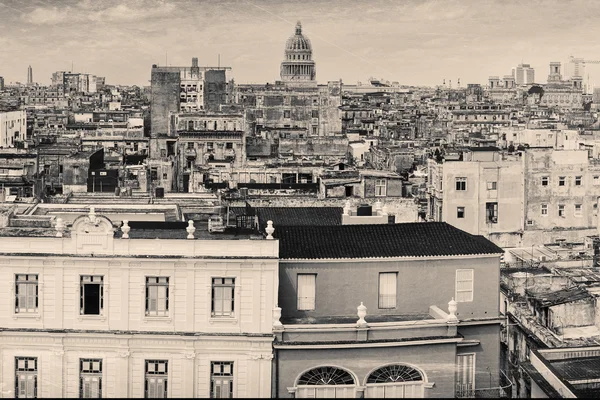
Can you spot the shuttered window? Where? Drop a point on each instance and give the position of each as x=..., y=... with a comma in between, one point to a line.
x=26, y=377
x=306, y=291
x=464, y=285
x=155, y=385
x=90, y=378
x=465, y=375
x=26, y=293
x=223, y=297
x=388, y=282
x=221, y=380
x=157, y=296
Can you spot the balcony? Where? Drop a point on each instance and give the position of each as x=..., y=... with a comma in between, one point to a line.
x=190, y=153
x=503, y=391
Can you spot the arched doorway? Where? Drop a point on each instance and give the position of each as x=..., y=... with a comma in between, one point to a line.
x=326, y=381
x=395, y=381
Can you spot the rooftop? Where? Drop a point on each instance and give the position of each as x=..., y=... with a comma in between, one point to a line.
x=419, y=239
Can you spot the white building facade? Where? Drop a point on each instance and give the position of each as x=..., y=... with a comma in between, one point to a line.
x=13, y=128
x=93, y=314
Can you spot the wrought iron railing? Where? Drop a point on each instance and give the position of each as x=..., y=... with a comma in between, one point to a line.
x=503, y=391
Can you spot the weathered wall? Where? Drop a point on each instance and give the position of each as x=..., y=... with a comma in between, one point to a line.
x=164, y=99
x=330, y=146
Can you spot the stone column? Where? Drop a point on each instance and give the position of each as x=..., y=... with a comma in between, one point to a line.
x=123, y=388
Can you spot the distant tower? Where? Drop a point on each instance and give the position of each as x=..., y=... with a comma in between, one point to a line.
x=29, y=75
x=555, y=75
x=298, y=65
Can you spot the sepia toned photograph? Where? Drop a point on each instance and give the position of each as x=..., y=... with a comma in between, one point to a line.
x=299, y=199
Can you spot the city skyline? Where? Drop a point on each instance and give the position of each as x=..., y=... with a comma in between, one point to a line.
x=412, y=42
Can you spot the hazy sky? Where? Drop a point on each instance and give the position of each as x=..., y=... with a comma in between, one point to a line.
x=410, y=41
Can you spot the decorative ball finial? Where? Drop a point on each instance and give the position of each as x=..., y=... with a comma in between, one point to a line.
x=347, y=208
x=452, y=308
x=276, y=316
x=269, y=229
x=60, y=227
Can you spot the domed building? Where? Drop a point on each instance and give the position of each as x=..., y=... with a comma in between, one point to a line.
x=298, y=65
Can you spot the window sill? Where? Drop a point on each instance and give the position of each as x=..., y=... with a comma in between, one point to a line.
x=86, y=317
x=166, y=319
x=223, y=320
x=37, y=316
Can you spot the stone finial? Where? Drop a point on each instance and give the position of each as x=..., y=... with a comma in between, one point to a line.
x=269, y=229
x=125, y=229
x=276, y=316
x=347, y=208
x=362, y=313
x=92, y=215
x=452, y=308
x=60, y=227
x=190, y=229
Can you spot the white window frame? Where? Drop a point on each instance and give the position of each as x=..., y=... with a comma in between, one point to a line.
x=153, y=378
x=562, y=181
x=306, y=299
x=458, y=210
x=91, y=279
x=388, y=280
x=596, y=180
x=380, y=187
x=94, y=376
x=229, y=378
x=578, y=179
x=492, y=185
x=26, y=377
x=561, y=210
x=578, y=212
x=464, y=295
x=214, y=298
x=27, y=288
x=545, y=181
x=157, y=296
x=460, y=184
x=544, y=209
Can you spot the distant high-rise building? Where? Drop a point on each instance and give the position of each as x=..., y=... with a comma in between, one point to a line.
x=29, y=75
x=524, y=74
x=1, y=83
x=555, y=75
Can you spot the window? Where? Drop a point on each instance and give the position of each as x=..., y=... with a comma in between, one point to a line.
x=286, y=114
x=26, y=377
x=395, y=381
x=229, y=145
x=491, y=186
x=90, y=378
x=545, y=180
x=596, y=180
x=190, y=145
x=465, y=375
x=388, y=281
x=461, y=183
x=157, y=296
x=92, y=295
x=464, y=285
x=209, y=145
x=315, y=130
x=306, y=292
x=221, y=380
x=460, y=212
x=577, y=181
x=491, y=213
x=544, y=209
x=315, y=113
x=380, y=187
x=155, y=385
x=46, y=170
x=561, y=181
x=223, y=299
x=561, y=210
x=26, y=293
x=578, y=212
x=326, y=382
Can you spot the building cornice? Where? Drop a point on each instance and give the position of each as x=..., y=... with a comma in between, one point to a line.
x=381, y=259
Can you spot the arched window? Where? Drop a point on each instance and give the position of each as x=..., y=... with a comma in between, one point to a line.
x=395, y=381
x=395, y=373
x=326, y=376
x=326, y=382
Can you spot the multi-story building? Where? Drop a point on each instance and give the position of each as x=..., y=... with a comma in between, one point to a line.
x=1, y=83
x=75, y=82
x=91, y=311
x=376, y=292
x=13, y=129
x=186, y=89
x=481, y=194
x=524, y=74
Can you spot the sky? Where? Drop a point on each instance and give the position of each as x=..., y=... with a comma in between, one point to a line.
x=414, y=42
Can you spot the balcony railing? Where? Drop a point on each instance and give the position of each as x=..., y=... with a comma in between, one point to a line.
x=503, y=391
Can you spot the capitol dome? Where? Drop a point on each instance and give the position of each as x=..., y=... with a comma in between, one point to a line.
x=298, y=65
x=298, y=41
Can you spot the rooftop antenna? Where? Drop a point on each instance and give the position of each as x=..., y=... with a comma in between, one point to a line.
x=219, y=62
x=166, y=58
